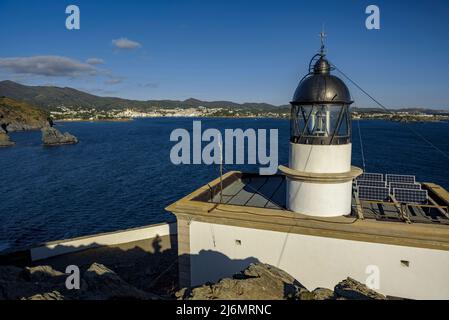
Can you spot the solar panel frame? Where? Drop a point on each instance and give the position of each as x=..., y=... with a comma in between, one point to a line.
x=400, y=178
x=371, y=176
x=373, y=193
x=371, y=183
x=400, y=185
x=412, y=196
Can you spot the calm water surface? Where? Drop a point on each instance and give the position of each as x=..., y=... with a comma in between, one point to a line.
x=120, y=175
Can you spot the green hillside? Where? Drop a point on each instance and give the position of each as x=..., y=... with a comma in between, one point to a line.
x=50, y=98
x=17, y=116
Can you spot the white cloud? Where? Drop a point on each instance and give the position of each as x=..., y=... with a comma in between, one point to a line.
x=94, y=61
x=124, y=43
x=151, y=85
x=114, y=81
x=50, y=66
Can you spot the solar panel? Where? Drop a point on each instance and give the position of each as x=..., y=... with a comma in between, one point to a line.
x=371, y=176
x=400, y=178
x=410, y=195
x=371, y=183
x=399, y=185
x=374, y=193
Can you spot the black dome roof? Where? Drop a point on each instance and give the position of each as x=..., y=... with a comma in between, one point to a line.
x=322, y=87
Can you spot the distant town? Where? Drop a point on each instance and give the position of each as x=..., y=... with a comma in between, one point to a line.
x=64, y=113
x=74, y=114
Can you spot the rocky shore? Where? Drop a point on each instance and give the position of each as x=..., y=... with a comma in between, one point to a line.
x=21, y=116
x=257, y=282
x=5, y=141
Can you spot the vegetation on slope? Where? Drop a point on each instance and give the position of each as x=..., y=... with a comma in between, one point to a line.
x=18, y=116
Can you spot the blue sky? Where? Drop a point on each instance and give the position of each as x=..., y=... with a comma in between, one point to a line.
x=228, y=50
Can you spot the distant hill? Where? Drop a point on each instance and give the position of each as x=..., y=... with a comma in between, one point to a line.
x=50, y=98
x=410, y=110
x=18, y=116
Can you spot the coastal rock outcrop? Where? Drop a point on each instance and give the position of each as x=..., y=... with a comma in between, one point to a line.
x=103, y=284
x=257, y=282
x=98, y=282
x=21, y=116
x=354, y=290
x=53, y=137
x=5, y=141
x=264, y=282
x=54, y=295
x=317, y=294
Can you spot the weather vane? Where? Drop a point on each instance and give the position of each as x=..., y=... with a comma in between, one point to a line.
x=323, y=35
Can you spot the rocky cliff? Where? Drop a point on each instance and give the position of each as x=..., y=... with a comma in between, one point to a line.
x=21, y=116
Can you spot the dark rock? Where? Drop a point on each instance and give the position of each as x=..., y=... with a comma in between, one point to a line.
x=53, y=137
x=45, y=283
x=264, y=282
x=54, y=295
x=354, y=290
x=317, y=294
x=257, y=282
x=104, y=284
x=305, y=295
x=323, y=294
x=44, y=274
x=14, y=283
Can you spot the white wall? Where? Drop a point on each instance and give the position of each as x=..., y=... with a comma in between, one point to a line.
x=317, y=261
x=320, y=158
x=56, y=248
x=319, y=199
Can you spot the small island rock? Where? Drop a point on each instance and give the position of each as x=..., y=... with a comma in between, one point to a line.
x=53, y=137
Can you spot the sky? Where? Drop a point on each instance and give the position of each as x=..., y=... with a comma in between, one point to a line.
x=237, y=50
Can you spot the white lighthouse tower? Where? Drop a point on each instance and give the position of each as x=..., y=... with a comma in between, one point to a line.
x=320, y=175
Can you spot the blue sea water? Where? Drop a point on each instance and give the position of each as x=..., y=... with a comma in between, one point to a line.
x=120, y=175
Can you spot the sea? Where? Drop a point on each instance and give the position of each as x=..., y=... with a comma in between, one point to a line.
x=120, y=175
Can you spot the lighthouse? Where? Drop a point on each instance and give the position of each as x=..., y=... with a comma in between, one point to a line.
x=319, y=175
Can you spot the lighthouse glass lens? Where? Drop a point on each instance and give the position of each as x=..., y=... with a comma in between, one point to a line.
x=333, y=117
x=299, y=119
x=320, y=124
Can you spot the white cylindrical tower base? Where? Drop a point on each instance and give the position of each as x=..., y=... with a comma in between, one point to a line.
x=319, y=199
x=320, y=158
x=319, y=179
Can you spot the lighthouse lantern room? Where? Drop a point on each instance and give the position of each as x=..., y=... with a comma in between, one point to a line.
x=320, y=175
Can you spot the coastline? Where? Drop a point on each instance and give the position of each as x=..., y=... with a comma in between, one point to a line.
x=404, y=119
x=94, y=120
